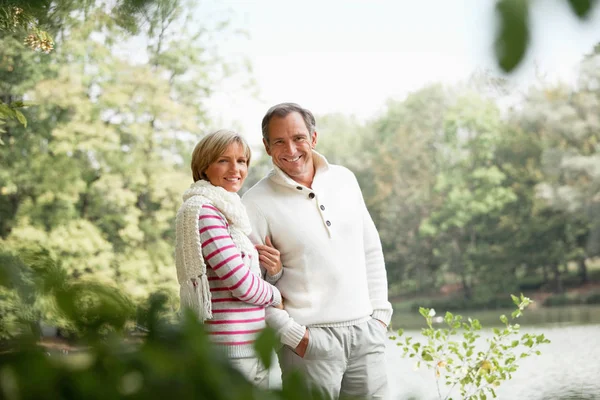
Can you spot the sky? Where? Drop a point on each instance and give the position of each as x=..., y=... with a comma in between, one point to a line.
x=352, y=56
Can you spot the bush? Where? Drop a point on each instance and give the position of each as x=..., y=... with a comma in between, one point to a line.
x=473, y=365
x=557, y=300
x=462, y=304
x=174, y=359
x=592, y=298
x=530, y=283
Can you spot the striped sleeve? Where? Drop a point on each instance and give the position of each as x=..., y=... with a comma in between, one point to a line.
x=223, y=257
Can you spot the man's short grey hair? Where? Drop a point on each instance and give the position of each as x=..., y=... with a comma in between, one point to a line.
x=282, y=110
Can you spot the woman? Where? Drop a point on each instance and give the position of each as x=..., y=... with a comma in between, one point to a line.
x=217, y=265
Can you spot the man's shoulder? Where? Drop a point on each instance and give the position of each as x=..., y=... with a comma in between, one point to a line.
x=339, y=171
x=259, y=190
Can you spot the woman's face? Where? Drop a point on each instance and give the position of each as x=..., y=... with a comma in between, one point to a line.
x=230, y=169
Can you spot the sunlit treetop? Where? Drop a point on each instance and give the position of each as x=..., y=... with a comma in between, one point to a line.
x=35, y=20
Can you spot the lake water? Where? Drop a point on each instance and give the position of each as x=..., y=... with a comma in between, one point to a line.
x=567, y=369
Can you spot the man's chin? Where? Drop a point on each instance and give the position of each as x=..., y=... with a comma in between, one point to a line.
x=291, y=170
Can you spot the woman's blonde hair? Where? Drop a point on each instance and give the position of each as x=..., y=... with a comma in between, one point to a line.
x=211, y=147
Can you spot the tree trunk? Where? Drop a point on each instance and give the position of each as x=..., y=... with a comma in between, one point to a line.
x=545, y=273
x=583, y=273
x=558, y=283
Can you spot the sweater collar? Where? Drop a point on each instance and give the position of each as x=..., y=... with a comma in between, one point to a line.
x=228, y=203
x=278, y=176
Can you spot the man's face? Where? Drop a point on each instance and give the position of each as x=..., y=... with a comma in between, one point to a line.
x=290, y=147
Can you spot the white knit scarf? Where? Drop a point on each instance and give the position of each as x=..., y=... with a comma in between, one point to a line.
x=191, y=268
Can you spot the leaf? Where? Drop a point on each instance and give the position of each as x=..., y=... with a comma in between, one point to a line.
x=6, y=111
x=21, y=118
x=582, y=8
x=515, y=300
x=264, y=345
x=512, y=37
x=426, y=356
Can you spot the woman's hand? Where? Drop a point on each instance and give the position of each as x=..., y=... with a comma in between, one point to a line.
x=280, y=305
x=269, y=257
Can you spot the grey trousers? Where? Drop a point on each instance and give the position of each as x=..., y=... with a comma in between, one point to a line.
x=344, y=361
x=253, y=370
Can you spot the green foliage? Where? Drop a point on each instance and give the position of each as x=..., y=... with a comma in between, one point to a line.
x=581, y=8
x=592, y=297
x=173, y=358
x=512, y=38
x=460, y=303
x=37, y=289
x=34, y=18
x=97, y=174
x=513, y=34
x=11, y=111
x=473, y=364
x=558, y=300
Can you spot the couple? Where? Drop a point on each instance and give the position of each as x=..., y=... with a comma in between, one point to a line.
x=306, y=225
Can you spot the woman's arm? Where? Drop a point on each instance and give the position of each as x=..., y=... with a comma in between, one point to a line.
x=223, y=257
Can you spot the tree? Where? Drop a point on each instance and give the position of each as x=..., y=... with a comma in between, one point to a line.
x=469, y=187
x=566, y=121
x=400, y=164
x=97, y=175
x=36, y=22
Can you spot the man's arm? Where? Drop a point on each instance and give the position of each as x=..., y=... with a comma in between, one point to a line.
x=260, y=230
x=375, y=265
x=289, y=331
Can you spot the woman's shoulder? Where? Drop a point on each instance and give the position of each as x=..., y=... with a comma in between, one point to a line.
x=198, y=206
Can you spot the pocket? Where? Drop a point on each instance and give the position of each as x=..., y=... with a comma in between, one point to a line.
x=320, y=344
x=378, y=330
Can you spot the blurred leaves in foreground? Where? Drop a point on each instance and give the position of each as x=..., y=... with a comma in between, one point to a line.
x=513, y=33
x=107, y=356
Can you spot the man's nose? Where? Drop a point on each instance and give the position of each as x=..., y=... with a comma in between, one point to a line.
x=290, y=147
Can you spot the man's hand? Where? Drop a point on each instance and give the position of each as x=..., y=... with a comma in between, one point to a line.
x=303, y=345
x=269, y=257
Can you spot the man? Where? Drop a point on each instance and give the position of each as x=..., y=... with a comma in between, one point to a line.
x=333, y=277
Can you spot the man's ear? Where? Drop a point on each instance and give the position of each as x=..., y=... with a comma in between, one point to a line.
x=313, y=140
x=266, y=144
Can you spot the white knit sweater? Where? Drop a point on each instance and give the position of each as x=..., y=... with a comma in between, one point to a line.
x=334, y=271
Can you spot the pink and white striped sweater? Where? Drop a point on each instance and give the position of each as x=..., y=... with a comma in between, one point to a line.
x=239, y=296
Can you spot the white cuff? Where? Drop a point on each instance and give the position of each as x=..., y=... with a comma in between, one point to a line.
x=273, y=279
x=276, y=299
x=384, y=315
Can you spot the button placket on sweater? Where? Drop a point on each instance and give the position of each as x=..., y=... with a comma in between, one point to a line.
x=313, y=196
